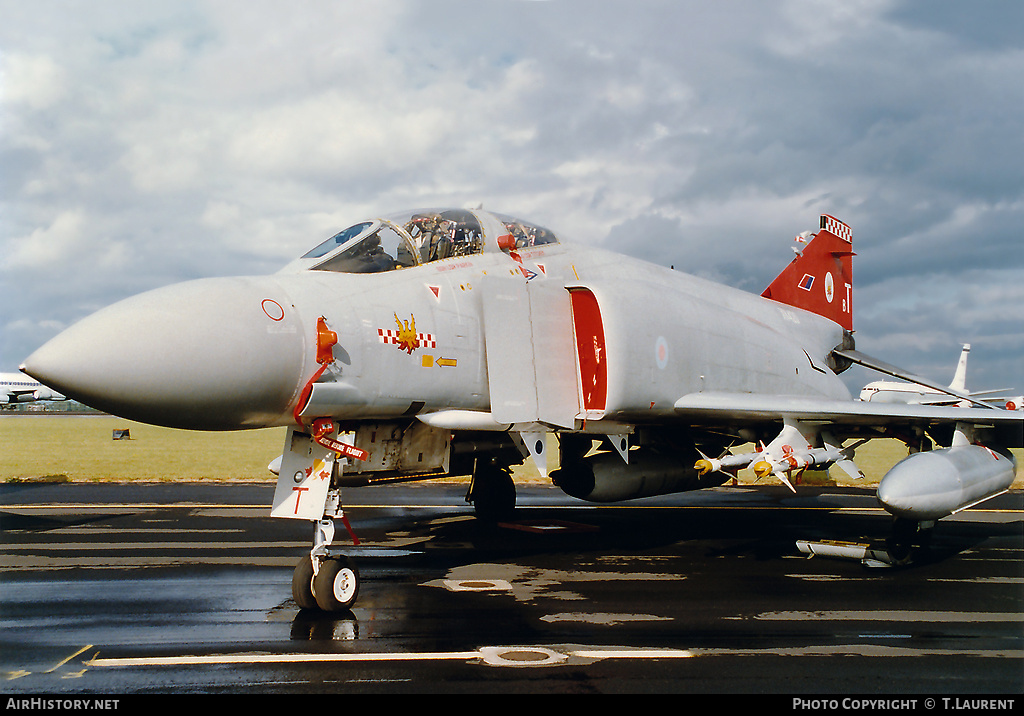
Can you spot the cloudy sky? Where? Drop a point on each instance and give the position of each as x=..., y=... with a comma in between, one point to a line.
x=144, y=143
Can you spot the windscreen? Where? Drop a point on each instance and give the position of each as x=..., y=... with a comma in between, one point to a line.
x=385, y=249
x=525, y=234
x=340, y=238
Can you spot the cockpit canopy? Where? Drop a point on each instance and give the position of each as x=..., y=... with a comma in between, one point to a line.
x=418, y=237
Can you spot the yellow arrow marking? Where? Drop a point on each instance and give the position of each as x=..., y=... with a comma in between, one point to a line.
x=428, y=361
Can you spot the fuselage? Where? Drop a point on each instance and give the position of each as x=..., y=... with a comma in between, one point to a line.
x=19, y=388
x=889, y=391
x=232, y=353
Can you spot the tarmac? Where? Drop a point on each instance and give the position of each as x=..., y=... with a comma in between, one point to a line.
x=136, y=590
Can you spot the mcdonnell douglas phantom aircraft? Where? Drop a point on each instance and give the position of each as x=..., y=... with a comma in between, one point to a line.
x=453, y=342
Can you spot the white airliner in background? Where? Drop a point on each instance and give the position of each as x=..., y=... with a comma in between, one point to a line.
x=893, y=391
x=19, y=388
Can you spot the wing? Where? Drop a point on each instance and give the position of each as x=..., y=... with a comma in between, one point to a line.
x=1006, y=426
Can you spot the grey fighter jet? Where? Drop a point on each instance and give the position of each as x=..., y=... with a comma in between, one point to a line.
x=454, y=342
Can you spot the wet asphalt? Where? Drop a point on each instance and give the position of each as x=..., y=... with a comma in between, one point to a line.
x=186, y=589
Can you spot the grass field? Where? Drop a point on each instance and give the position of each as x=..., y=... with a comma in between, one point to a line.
x=81, y=449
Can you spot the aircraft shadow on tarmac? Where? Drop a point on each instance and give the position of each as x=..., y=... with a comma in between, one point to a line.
x=17, y=522
x=719, y=532
x=691, y=535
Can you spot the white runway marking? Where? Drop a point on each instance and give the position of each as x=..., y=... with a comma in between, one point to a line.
x=516, y=656
x=909, y=616
x=539, y=656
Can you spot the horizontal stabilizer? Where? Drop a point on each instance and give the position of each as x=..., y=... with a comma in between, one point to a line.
x=994, y=394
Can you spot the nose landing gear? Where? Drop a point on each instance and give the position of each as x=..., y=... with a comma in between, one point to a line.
x=307, y=489
x=330, y=584
x=323, y=579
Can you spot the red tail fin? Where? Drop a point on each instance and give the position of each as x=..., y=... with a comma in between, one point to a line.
x=820, y=278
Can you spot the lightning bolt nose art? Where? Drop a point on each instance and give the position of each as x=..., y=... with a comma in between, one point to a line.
x=405, y=336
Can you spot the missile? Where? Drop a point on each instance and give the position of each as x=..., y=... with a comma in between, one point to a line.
x=927, y=486
x=799, y=460
x=792, y=451
x=763, y=464
x=795, y=460
x=726, y=463
x=868, y=556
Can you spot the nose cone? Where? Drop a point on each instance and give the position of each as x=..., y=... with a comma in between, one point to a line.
x=213, y=354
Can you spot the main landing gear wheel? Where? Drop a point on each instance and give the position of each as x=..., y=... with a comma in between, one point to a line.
x=493, y=494
x=906, y=534
x=336, y=584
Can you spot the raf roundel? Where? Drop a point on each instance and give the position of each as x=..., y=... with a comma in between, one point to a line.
x=661, y=352
x=273, y=309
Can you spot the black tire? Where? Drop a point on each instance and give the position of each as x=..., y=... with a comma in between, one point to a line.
x=336, y=584
x=494, y=494
x=302, y=584
x=900, y=544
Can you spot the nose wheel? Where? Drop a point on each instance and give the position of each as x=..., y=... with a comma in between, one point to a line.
x=324, y=579
x=331, y=586
x=336, y=584
x=302, y=584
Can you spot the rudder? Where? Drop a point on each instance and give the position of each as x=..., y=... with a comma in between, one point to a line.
x=820, y=278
